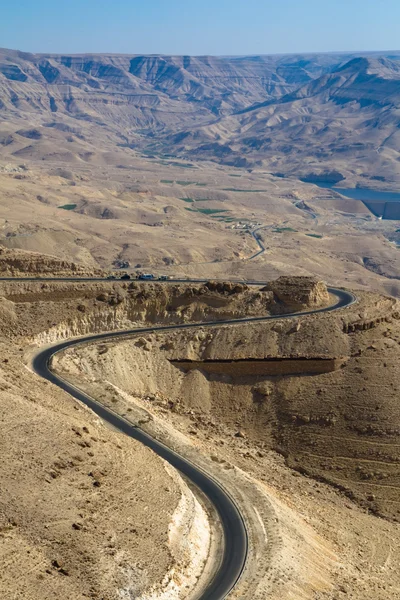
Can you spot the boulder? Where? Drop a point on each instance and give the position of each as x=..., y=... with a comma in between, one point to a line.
x=298, y=293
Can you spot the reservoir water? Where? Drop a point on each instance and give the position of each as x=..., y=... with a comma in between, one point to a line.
x=382, y=204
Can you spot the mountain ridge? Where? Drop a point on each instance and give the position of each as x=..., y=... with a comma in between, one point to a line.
x=276, y=112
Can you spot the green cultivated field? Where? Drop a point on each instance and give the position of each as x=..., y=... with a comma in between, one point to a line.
x=198, y=200
x=283, y=229
x=243, y=191
x=170, y=181
x=207, y=211
x=68, y=206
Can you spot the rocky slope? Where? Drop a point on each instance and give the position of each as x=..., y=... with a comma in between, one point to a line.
x=64, y=531
x=306, y=388
x=294, y=294
x=75, y=469
x=149, y=89
x=349, y=352
x=350, y=114
x=244, y=111
x=17, y=263
x=329, y=424
x=78, y=308
x=71, y=536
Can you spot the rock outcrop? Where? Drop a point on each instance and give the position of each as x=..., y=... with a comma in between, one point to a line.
x=298, y=293
x=18, y=263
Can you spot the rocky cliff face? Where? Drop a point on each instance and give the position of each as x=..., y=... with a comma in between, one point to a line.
x=347, y=112
x=298, y=293
x=215, y=85
x=237, y=110
x=17, y=263
x=79, y=308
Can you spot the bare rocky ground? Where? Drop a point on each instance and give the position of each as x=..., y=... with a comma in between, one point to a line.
x=333, y=541
x=63, y=471
x=180, y=221
x=307, y=115
x=64, y=531
x=303, y=443
x=302, y=426
x=313, y=469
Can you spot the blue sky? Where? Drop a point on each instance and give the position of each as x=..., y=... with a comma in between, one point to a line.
x=222, y=27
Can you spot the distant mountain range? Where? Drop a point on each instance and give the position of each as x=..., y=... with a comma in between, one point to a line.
x=288, y=114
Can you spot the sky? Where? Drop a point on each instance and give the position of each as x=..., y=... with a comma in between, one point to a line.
x=198, y=27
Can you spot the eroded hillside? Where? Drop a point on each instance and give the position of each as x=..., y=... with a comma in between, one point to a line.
x=161, y=90
x=286, y=114
x=305, y=390
x=346, y=119
x=229, y=397
x=189, y=219
x=63, y=527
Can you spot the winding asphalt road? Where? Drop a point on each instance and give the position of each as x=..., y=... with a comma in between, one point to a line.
x=234, y=530
x=259, y=242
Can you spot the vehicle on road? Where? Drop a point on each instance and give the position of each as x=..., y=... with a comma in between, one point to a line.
x=125, y=276
x=146, y=276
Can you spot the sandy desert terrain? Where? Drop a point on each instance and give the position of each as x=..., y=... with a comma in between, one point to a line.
x=322, y=485
x=162, y=220
x=94, y=169
x=199, y=168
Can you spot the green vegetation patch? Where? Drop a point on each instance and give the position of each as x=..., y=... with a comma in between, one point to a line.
x=212, y=211
x=314, y=235
x=172, y=163
x=198, y=200
x=283, y=229
x=68, y=206
x=181, y=182
x=243, y=191
x=208, y=211
x=169, y=163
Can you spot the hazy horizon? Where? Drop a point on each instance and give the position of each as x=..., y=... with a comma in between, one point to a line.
x=217, y=28
x=254, y=55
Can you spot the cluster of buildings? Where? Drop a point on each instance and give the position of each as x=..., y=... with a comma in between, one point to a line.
x=243, y=225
